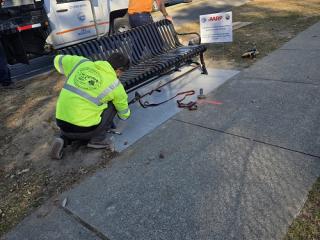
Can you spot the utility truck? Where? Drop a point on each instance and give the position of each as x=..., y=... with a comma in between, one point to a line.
x=31, y=28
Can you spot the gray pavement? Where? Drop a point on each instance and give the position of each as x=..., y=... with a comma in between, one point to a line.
x=51, y=224
x=209, y=185
x=301, y=70
x=277, y=113
x=240, y=170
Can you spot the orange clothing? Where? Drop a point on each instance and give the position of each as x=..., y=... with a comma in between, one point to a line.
x=139, y=6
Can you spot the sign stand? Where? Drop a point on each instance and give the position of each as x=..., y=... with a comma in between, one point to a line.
x=216, y=28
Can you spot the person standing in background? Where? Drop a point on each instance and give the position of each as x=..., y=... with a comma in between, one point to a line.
x=5, y=78
x=140, y=12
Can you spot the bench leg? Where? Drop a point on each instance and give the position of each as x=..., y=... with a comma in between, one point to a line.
x=203, y=65
x=177, y=68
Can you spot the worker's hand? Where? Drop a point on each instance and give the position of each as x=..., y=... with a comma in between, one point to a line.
x=122, y=118
x=169, y=18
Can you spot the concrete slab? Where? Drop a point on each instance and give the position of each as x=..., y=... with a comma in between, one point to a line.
x=143, y=121
x=51, y=224
x=287, y=65
x=279, y=113
x=307, y=40
x=206, y=185
x=237, y=25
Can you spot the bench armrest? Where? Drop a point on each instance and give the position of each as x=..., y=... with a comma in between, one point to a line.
x=191, y=33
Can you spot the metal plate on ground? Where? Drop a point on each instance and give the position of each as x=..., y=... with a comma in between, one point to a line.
x=144, y=120
x=37, y=66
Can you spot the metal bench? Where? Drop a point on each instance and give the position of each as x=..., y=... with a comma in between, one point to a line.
x=153, y=49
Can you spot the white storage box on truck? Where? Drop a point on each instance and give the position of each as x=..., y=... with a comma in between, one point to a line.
x=73, y=21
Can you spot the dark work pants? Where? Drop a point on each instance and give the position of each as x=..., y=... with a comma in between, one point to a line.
x=85, y=133
x=140, y=19
x=5, y=78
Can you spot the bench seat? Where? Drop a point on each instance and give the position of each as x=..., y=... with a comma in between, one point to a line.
x=153, y=50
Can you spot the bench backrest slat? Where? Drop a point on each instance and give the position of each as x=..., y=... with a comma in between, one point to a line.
x=175, y=36
x=157, y=39
x=91, y=51
x=164, y=35
x=140, y=44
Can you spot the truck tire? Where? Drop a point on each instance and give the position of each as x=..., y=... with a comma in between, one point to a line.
x=121, y=24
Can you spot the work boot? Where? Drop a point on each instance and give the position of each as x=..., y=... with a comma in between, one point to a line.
x=57, y=148
x=101, y=141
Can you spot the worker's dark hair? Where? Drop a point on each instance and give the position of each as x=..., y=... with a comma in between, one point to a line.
x=119, y=61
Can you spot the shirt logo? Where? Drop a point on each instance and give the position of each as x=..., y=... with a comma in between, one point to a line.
x=88, y=79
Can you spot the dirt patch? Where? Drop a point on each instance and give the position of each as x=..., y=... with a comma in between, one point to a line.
x=28, y=176
x=273, y=24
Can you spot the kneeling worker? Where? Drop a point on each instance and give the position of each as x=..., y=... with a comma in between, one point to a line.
x=90, y=98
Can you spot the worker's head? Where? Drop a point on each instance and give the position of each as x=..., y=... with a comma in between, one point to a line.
x=119, y=62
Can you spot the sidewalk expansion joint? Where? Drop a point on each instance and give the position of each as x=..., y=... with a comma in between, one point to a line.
x=85, y=224
x=247, y=138
x=284, y=81
x=299, y=49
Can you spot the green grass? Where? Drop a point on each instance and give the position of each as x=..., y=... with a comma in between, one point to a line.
x=307, y=225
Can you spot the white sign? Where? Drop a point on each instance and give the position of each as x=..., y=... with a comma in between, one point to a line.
x=216, y=28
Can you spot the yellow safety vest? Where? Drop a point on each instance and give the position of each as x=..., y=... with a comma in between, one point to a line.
x=87, y=90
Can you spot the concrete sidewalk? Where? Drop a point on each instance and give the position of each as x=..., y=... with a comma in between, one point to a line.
x=240, y=170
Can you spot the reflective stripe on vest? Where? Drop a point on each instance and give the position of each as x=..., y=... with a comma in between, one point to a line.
x=60, y=64
x=76, y=66
x=108, y=89
x=123, y=112
x=81, y=93
x=95, y=100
